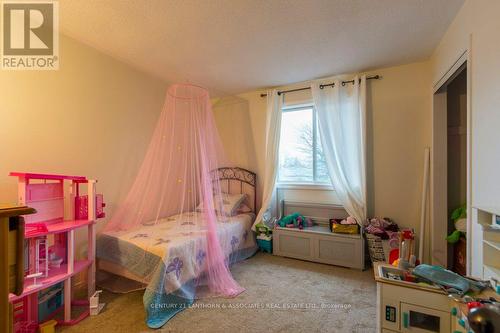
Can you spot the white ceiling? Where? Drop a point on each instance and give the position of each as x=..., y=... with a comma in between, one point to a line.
x=232, y=46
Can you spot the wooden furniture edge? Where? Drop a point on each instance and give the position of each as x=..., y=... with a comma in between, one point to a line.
x=10, y=211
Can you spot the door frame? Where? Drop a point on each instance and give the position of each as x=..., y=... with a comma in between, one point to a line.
x=438, y=178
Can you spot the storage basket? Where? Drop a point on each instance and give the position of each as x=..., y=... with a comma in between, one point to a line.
x=265, y=245
x=378, y=248
x=344, y=228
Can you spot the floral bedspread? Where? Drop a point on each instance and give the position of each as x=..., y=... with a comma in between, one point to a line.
x=178, y=241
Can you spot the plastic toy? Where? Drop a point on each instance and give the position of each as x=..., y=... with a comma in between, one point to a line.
x=48, y=326
x=406, y=251
x=54, y=260
x=261, y=228
x=264, y=237
x=35, y=228
x=50, y=261
x=94, y=306
x=454, y=283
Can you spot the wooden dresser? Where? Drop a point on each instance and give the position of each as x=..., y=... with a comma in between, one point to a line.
x=11, y=258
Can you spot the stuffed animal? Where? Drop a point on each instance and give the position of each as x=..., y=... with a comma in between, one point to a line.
x=380, y=226
x=295, y=220
x=459, y=217
x=288, y=219
x=349, y=220
x=263, y=229
x=459, y=213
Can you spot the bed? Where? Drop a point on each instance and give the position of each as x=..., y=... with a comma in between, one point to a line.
x=135, y=254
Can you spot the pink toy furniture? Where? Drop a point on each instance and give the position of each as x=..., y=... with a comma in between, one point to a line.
x=50, y=247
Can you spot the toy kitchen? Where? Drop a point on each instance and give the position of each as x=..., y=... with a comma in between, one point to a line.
x=408, y=303
x=413, y=297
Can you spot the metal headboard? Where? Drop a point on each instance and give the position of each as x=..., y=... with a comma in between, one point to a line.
x=228, y=176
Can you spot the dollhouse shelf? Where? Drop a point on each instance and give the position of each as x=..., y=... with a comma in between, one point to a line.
x=44, y=176
x=63, y=226
x=47, y=231
x=56, y=275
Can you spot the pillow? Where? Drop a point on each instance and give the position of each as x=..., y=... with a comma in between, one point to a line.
x=230, y=203
x=243, y=209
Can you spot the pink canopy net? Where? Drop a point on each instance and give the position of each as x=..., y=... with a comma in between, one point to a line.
x=175, y=193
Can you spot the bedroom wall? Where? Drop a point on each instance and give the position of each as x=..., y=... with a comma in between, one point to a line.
x=398, y=130
x=477, y=24
x=93, y=117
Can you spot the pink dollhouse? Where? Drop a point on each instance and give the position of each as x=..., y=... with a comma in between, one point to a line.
x=50, y=261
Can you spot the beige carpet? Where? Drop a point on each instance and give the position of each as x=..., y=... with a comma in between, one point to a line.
x=320, y=298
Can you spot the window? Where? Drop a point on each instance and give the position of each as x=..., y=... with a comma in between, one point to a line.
x=301, y=158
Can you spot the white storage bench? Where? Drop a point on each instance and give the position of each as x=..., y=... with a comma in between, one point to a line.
x=318, y=243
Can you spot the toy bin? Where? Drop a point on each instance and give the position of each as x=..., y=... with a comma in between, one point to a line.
x=376, y=248
x=48, y=326
x=265, y=245
x=49, y=301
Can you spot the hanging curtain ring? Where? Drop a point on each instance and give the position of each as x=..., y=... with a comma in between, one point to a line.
x=321, y=86
x=343, y=83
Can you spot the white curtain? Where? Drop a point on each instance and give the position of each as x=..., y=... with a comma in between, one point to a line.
x=273, y=132
x=341, y=112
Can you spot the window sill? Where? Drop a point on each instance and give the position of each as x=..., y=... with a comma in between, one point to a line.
x=305, y=186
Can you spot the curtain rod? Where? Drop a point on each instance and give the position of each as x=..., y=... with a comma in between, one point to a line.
x=321, y=86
